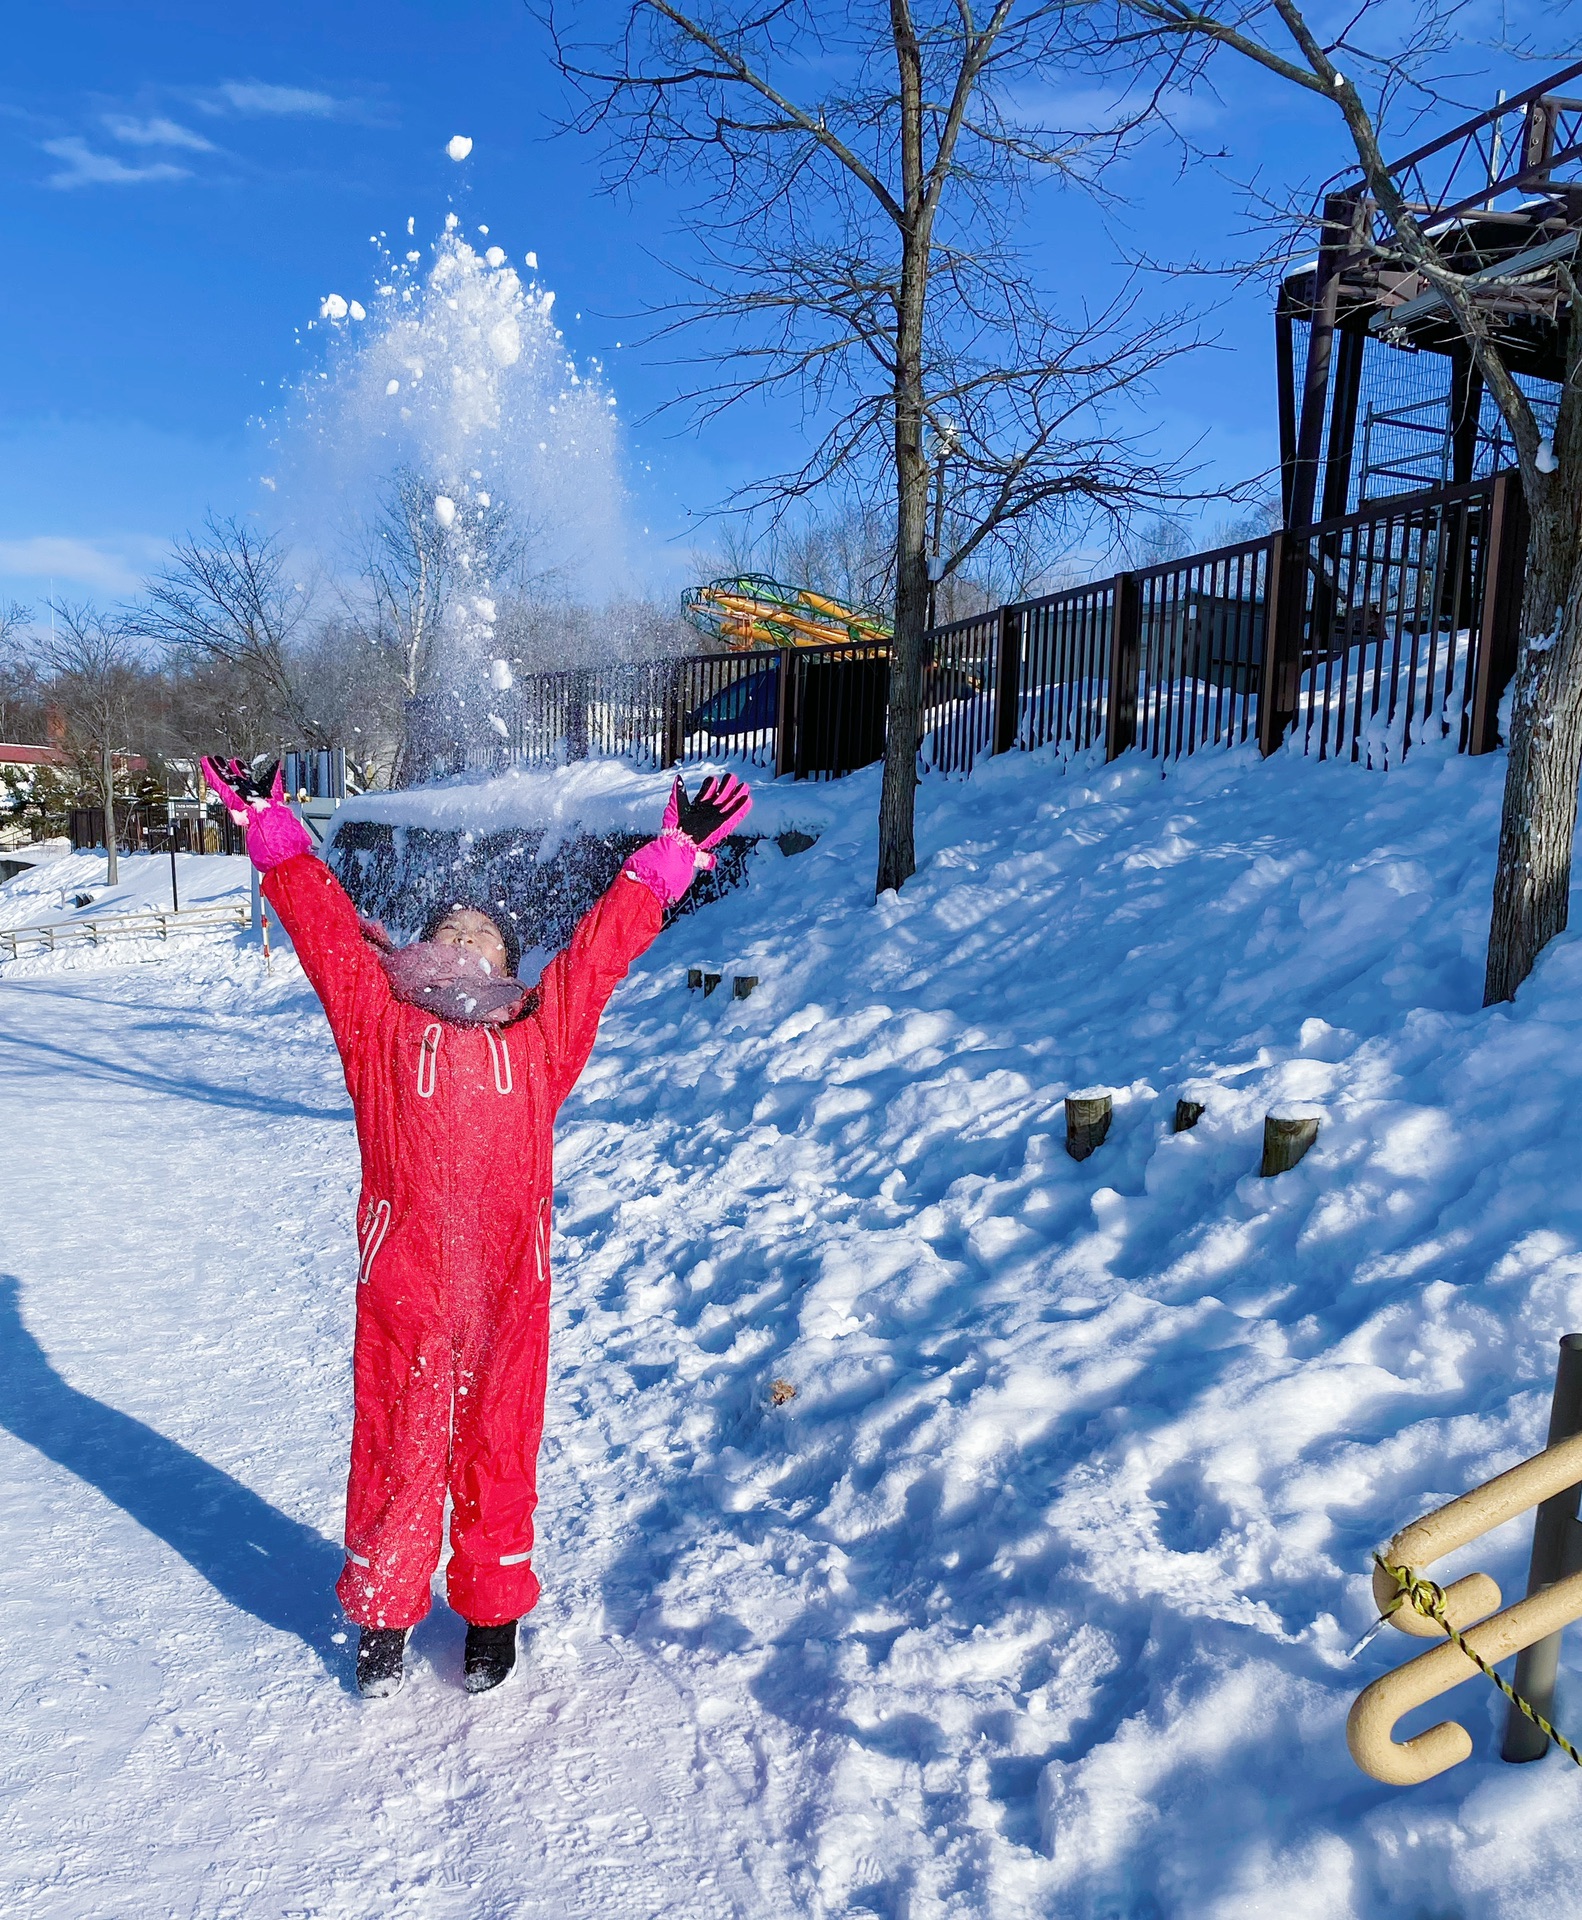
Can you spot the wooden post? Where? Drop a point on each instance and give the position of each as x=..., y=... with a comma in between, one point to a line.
x=785, y=716
x=1340, y=213
x=1557, y=1552
x=1285, y=401
x=742, y=984
x=673, y=717
x=1285, y=1142
x=1125, y=663
x=1505, y=560
x=1008, y=680
x=1280, y=676
x=1188, y=1113
x=1087, y=1122
x=1342, y=424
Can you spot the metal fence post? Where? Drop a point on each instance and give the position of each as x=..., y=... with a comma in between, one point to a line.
x=1557, y=1551
x=1504, y=563
x=785, y=715
x=1280, y=681
x=1125, y=663
x=1007, y=680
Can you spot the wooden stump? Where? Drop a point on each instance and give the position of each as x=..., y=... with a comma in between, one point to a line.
x=1087, y=1122
x=1188, y=1114
x=1284, y=1143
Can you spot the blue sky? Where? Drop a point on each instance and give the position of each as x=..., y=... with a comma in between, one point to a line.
x=183, y=183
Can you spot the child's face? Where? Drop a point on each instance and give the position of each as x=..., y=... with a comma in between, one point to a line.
x=463, y=927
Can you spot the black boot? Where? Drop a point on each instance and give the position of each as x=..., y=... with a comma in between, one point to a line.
x=490, y=1656
x=380, y=1655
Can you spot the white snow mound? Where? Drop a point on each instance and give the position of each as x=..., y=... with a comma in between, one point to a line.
x=1032, y=1598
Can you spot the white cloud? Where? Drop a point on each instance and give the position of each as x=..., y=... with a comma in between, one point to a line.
x=86, y=168
x=255, y=97
x=156, y=132
x=62, y=559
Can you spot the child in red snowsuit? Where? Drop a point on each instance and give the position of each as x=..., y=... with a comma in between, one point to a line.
x=455, y=1074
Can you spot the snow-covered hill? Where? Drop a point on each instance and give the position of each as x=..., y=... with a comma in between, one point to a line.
x=1034, y=1598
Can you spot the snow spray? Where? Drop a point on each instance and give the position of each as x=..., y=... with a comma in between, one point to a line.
x=455, y=376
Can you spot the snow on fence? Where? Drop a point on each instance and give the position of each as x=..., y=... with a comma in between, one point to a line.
x=1361, y=633
x=53, y=934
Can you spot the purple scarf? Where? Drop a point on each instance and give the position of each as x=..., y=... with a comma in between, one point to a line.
x=447, y=981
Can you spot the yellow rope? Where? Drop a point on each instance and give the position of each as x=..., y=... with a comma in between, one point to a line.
x=1429, y=1600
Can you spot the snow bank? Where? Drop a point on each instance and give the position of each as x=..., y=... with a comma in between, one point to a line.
x=1033, y=1597
x=601, y=796
x=48, y=891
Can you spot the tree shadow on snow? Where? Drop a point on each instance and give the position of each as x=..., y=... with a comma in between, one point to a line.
x=255, y=1557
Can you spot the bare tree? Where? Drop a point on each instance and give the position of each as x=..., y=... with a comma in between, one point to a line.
x=1325, y=54
x=420, y=559
x=19, y=706
x=860, y=168
x=230, y=597
x=95, y=678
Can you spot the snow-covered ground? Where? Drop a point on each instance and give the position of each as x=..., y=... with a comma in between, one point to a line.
x=1034, y=1599
x=50, y=889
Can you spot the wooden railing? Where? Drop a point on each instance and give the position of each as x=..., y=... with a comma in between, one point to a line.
x=1362, y=633
x=58, y=933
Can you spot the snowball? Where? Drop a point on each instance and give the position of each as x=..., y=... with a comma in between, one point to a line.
x=497, y=723
x=332, y=307
x=500, y=676
x=484, y=609
x=495, y=256
x=451, y=223
x=392, y=386
x=413, y=258
x=483, y=500
x=458, y=146
x=505, y=342
x=357, y=310
x=444, y=510
x=531, y=259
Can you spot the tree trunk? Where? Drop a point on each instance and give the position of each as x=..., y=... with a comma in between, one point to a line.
x=897, y=802
x=107, y=783
x=1532, y=881
x=898, y=799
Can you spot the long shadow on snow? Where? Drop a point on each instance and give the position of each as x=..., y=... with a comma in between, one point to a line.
x=255, y=1557
x=146, y=1080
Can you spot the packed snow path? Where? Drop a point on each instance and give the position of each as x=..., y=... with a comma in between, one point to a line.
x=1034, y=1598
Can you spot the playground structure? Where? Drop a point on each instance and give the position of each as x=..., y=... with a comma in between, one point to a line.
x=754, y=613
x=1501, y=198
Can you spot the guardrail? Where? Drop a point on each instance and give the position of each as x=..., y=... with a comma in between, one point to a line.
x=57, y=933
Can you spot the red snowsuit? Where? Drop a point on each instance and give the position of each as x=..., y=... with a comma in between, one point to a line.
x=454, y=1123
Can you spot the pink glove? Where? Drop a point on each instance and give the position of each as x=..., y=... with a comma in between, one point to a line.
x=274, y=833
x=666, y=866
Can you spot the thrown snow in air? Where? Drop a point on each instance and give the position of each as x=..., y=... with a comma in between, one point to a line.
x=1033, y=1601
x=458, y=146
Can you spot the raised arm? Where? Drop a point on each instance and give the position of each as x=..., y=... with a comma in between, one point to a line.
x=324, y=929
x=310, y=901
x=577, y=984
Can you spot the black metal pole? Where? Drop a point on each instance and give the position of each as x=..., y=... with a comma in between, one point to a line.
x=1557, y=1551
x=175, y=897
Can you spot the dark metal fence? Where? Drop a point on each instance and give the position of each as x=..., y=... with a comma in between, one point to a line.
x=1364, y=634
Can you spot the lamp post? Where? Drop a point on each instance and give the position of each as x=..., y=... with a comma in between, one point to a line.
x=170, y=816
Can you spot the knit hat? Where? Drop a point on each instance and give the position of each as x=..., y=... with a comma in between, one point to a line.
x=496, y=912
